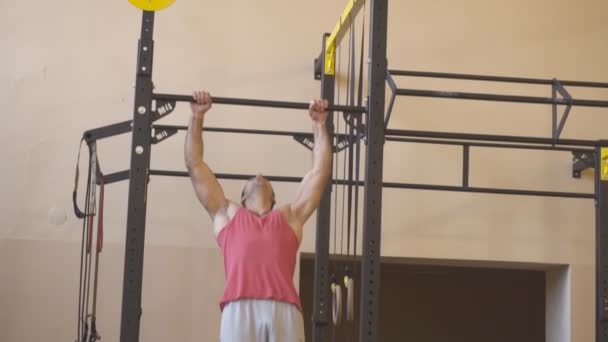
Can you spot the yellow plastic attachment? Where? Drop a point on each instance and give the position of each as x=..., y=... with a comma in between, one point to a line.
x=151, y=5
x=604, y=175
x=340, y=29
x=330, y=58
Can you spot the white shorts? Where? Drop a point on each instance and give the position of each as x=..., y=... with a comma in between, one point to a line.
x=255, y=320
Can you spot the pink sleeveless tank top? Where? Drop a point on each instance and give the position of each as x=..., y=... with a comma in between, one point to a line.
x=259, y=258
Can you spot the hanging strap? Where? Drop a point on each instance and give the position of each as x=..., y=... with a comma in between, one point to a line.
x=360, y=93
x=92, y=211
x=335, y=227
x=77, y=210
x=87, y=236
x=336, y=290
x=81, y=332
x=351, y=64
x=100, y=217
x=351, y=132
x=336, y=159
x=94, y=335
x=357, y=177
x=359, y=125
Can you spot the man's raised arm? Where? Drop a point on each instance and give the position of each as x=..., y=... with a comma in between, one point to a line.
x=206, y=186
x=312, y=186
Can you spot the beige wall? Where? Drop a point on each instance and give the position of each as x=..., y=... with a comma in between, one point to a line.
x=69, y=67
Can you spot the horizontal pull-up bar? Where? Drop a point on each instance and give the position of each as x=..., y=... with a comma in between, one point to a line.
x=126, y=126
x=500, y=98
x=495, y=78
x=259, y=103
x=487, y=137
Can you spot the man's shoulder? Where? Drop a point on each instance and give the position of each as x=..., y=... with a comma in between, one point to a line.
x=232, y=208
x=288, y=214
x=221, y=220
x=285, y=209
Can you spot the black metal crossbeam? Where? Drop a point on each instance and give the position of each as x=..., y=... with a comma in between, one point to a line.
x=497, y=191
x=493, y=138
x=489, y=145
x=500, y=98
x=490, y=78
x=259, y=103
x=109, y=130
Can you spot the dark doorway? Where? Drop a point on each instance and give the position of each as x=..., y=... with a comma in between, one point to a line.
x=430, y=303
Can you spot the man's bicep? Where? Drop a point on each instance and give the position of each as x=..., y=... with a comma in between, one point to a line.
x=207, y=189
x=308, y=196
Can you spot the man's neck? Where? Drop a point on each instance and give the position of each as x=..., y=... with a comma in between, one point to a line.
x=258, y=209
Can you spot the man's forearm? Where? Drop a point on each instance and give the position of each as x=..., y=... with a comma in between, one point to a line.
x=322, y=154
x=194, y=141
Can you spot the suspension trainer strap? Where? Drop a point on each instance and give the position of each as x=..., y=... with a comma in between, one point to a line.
x=343, y=219
x=351, y=91
x=100, y=218
x=359, y=125
x=81, y=326
x=94, y=336
x=357, y=176
x=336, y=159
x=92, y=208
x=336, y=303
x=360, y=90
x=92, y=196
x=350, y=299
x=94, y=173
x=336, y=177
x=77, y=210
x=86, y=258
x=351, y=138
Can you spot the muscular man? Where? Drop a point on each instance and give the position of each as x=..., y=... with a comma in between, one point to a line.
x=259, y=242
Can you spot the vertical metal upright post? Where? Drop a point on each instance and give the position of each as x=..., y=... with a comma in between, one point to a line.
x=322, y=305
x=372, y=214
x=466, y=149
x=601, y=242
x=138, y=185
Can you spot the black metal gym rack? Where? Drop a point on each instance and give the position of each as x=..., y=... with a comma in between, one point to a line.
x=150, y=107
